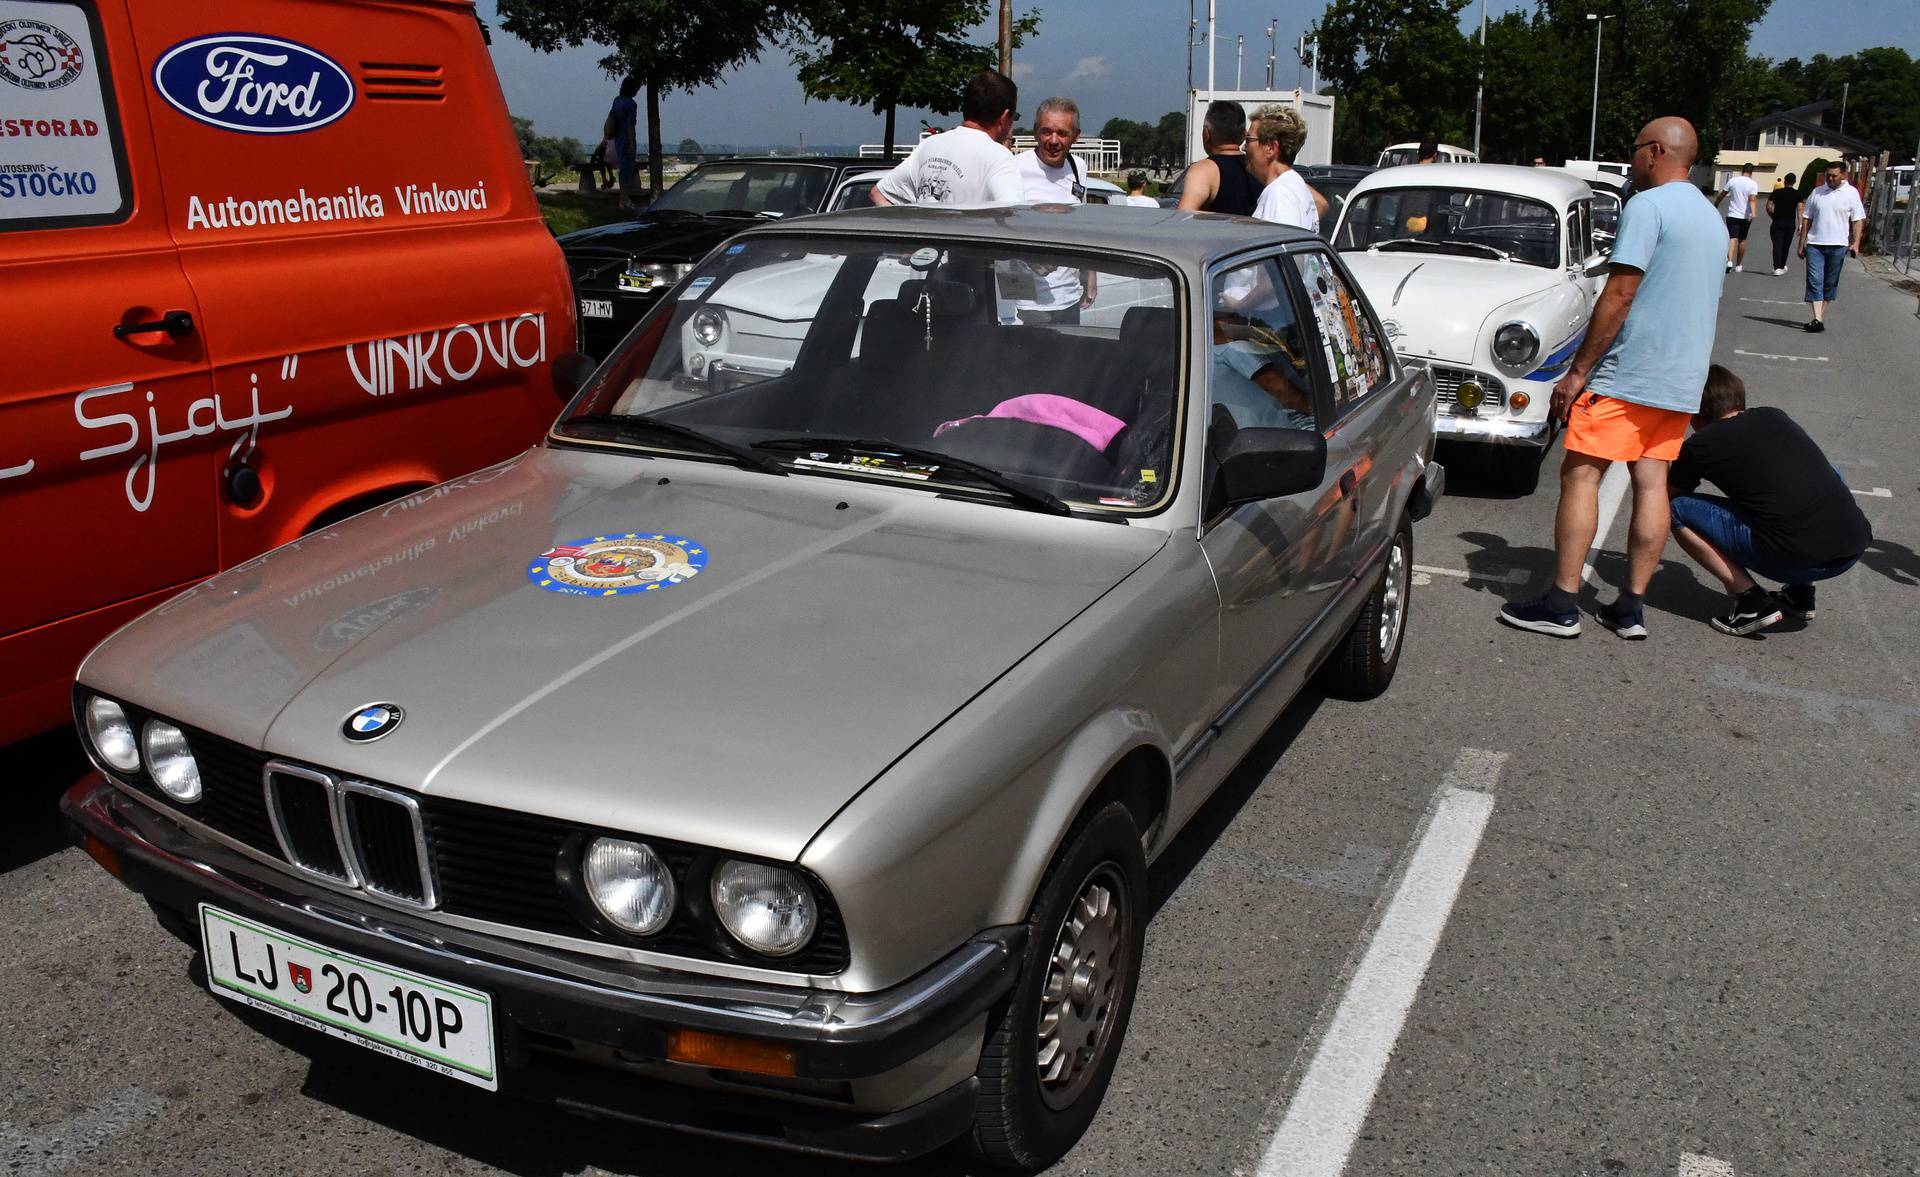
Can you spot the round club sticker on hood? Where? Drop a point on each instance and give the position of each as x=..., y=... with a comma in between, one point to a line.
x=617, y=565
x=256, y=84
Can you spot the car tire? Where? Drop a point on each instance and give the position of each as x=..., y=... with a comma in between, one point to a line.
x=1519, y=467
x=1363, y=664
x=1082, y=966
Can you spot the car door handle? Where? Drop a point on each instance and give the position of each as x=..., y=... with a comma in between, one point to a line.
x=1347, y=483
x=178, y=324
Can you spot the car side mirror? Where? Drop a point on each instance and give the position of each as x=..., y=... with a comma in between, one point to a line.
x=1259, y=464
x=571, y=371
x=1598, y=263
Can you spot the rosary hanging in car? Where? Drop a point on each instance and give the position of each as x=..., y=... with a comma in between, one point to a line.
x=925, y=307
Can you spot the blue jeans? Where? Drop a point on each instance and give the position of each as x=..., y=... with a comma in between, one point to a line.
x=1721, y=524
x=1823, y=271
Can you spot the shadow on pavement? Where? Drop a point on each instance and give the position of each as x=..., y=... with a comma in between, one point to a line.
x=1799, y=325
x=33, y=774
x=1492, y=558
x=1896, y=562
x=1481, y=471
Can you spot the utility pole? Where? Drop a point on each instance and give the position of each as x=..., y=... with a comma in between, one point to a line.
x=1300, y=50
x=1273, y=27
x=1593, y=126
x=1006, y=37
x=1210, y=53
x=1190, y=27
x=1480, y=93
x=1845, y=89
x=1240, y=69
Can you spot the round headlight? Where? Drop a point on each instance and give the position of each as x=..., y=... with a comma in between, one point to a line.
x=170, y=760
x=707, y=326
x=1469, y=395
x=111, y=734
x=630, y=884
x=766, y=908
x=1515, y=345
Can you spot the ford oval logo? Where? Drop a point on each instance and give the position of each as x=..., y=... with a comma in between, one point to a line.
x=372, y=721
x=260, y=85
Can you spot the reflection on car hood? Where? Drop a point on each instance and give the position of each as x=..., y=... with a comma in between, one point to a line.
x=1439, y=302
x=668, y=239
x=832, y=626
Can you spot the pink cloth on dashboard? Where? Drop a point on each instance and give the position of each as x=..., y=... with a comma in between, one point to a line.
x=1085, y=422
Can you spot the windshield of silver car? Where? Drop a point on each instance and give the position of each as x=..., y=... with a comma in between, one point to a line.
x=1452, y=221
x=748, y=189
x=1044, y=376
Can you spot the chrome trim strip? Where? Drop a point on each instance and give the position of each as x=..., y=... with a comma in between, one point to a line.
x=282, y=768
x=351, y=846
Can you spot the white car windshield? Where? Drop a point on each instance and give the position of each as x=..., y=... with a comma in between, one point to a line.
x=909, y=360
x=748, y=189
x=1452, y=220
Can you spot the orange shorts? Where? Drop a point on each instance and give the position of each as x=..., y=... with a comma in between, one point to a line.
x=1621, y=431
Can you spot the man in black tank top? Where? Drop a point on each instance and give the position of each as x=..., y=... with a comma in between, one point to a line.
x=1220, y=183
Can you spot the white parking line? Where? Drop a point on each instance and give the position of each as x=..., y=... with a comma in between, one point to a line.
x=1330, y=1102
x=1695, y=1165
x=1510, y=576
x=1776, y=302
x=1767, y=355
x=1878, y=492
x=1613, y=488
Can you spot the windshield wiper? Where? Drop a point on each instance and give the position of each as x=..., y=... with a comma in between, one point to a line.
x=1031, y=497
x=1399, y=243
x=622, y=423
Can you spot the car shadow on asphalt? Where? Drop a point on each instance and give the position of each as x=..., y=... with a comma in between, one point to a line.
x=33, y=774
x=535, y=1140
x=1479, y=472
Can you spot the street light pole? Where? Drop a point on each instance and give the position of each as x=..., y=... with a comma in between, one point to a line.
x=1480, y=93
x=1190, y=27
x=1210, y=52
x=1273, y=27
x=1593, y=126
x=1239, y=60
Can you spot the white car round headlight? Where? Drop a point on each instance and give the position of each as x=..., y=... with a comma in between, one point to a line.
x=630, y=884
x=170, y=761
x=111, y=734
x=1515, y=345
x=708, y=326
x=766, y=908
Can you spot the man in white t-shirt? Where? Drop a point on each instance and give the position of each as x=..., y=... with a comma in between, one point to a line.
x=1049, y=174
x=969, y=164
x=1274, y=139
x=1831, y=223
x=1739, y=195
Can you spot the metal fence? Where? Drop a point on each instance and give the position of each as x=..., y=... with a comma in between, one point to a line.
x=1893, y=218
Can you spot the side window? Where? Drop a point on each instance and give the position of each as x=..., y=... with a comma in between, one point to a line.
x=1356, y=359
x=856, y=194
x=61, y=159
x=1261, y=374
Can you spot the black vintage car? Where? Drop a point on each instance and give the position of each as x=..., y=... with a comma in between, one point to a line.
x=621, y=270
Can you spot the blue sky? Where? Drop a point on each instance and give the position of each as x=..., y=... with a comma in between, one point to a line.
x=1114, y=58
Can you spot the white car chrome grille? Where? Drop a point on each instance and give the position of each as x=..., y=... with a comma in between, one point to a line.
x=1448, y=381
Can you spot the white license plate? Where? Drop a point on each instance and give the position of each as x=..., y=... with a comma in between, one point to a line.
x=596, y=308
x=434, y=1024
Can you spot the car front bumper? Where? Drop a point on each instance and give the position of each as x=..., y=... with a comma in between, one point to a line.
x=1494, y=430
x=590, y=1035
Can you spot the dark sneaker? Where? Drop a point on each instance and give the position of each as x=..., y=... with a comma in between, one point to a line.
x=1753, y=611
x=1630, y=624
x=1796, y=601
x=1817, y=326
x=1539, y=616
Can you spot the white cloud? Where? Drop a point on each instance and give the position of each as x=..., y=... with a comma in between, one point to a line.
x=1086, y=69
x=1023, y=71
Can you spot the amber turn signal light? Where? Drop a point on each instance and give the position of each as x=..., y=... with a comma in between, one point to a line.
x=728, y=1053
x=101, y=853
x=1519, y=401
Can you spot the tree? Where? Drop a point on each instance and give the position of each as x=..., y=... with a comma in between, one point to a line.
x=667, y=45
x=894, y=53
x=1137, y=139
x=1170, y=139
x=688, y=147
x=1402, y=70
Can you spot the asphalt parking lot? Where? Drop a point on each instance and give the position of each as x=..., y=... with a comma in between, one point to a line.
x=1546, y=907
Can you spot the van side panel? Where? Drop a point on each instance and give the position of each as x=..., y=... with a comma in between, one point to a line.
x=108, y=444
x=380, y=271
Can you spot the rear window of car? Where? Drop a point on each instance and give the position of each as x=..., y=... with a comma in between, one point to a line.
x=61, y=158
x=756, y=189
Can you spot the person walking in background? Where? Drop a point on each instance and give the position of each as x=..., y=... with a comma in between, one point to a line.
x=1636, y=380
x=1787, y=514
x=1220, y=183
x=1429, y=150
x=1739, y=195
x=1273, y=142
x=969, y=164
x=1137, y=191
x=1783, y=211
x=1831, y=223
x=622, y=123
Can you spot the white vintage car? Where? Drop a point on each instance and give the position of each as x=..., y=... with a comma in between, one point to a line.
x=1487, y=274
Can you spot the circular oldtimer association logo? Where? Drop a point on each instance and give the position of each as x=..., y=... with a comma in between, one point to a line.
x=617, y=565
x=372, y=721
x=35, y=55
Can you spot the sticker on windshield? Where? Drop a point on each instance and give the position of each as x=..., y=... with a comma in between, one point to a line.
x=617, y=565
x=737, y=248
x=696, y=287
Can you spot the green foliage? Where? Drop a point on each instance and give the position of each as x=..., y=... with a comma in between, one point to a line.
x=568, y=212
x=892, y=53
x=1882, y=106
x=1402, y=71
x=667, y=45
x=688, y=147
x=1145, y=143
x=562, y=154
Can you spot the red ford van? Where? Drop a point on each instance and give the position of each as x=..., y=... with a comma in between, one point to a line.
x=264, y=263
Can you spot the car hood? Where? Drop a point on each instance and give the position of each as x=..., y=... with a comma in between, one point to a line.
x=1435, y=305
x=833, y=625
x=670, y=239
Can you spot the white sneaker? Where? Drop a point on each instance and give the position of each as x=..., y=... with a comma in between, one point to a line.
x=1740, y=269
x=1780, y=271
x=1729, y=267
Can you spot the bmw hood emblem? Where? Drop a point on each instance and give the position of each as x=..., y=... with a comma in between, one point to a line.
x=372, y=721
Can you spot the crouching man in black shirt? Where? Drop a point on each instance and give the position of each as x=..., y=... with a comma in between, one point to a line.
x=1786, y=515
